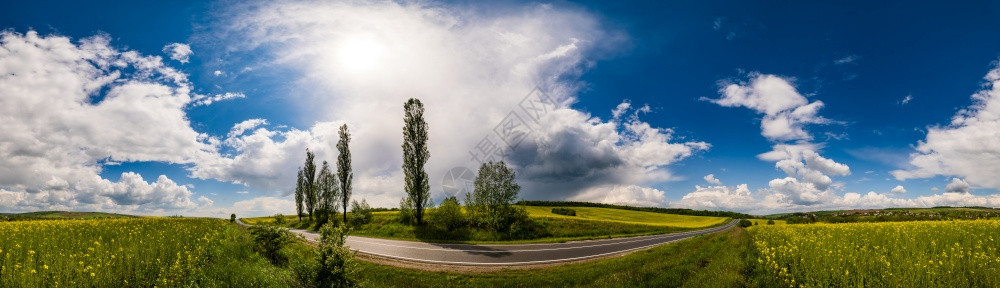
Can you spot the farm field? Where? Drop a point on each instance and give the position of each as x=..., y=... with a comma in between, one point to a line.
x=590, y=223
x=132, y=252
x=629, y=217
x=892, y=254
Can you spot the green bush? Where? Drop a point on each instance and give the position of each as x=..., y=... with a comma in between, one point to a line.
x=361, y=213
x=405, y=215
x=449, y=214
x=563, y=211
x=336, y=264
x=270, y=240
x=232, y=218
x=745, y=223
x=279, y=219
x=770, y=222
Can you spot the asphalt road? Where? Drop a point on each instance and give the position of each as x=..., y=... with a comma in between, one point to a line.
x=508, y=255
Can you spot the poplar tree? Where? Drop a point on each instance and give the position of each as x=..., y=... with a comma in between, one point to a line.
x=415, y=155
x=329, y=192
x=299, y=193
x=344, y=172
x=309, y=171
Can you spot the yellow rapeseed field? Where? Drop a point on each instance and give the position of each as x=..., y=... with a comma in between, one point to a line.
x=893, y=254
x=135, y=252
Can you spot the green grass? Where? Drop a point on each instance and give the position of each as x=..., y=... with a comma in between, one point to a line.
x=715, y=260
x=590, y=223
x=132, y=252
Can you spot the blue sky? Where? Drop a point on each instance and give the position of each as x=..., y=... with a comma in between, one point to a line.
x=883, y=74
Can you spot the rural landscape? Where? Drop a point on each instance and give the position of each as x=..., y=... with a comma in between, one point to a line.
x=509, y=144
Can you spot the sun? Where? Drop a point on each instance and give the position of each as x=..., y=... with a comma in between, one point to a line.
x=360, y=54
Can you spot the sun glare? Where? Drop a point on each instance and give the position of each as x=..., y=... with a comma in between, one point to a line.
x=360, y=54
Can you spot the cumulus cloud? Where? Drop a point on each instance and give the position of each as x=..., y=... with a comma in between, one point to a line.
x=968, y=147
x=898, y=190
x=178, y=51
x=957, y=186
x=786, y=113
x=67, y=107
x=710, y=178
x=475, y=70
x=719, y=197
x=785, y=110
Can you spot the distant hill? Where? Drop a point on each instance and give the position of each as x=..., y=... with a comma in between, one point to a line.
x=59, y=215
x=889, y=214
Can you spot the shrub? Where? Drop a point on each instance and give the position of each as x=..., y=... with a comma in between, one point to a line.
x=563, y=211
x=770, y=222
x=449, y=214
x=270, y=240
x=405, y=215
x=336, y=263
x=745, y=223
x=279, y=219
x=361, y=213
x=232, y=218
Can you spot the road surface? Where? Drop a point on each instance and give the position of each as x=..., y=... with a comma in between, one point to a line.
x=507, y=255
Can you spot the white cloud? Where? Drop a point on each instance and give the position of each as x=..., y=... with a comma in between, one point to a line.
x=262, y=206
x=767, y=201
x=846, y=60
x=898, y=190
x=242, y=127
x=203, y=100
x=470, y=67
x=785, y=110
x=67, y=107
x=968, y=147
x=630, y=195
x=957, y=186
x=718, y=197
x=710, y=178
x=906, y=99
x=218, y=73
x=178, y=51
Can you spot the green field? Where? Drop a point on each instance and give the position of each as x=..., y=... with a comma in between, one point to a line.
x=132, y=252
x=60, y=215
x=629, y=217
x=590, y=223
